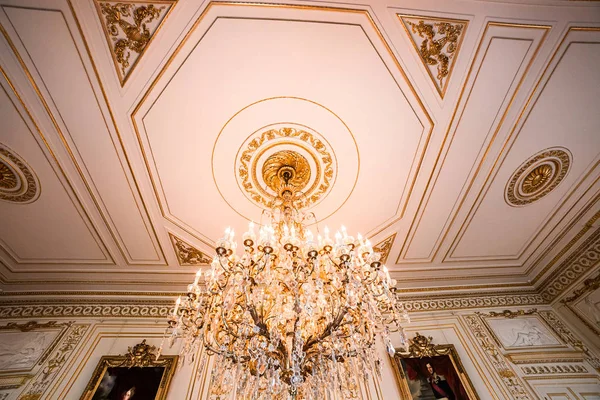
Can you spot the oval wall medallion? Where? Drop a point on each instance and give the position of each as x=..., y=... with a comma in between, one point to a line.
x=538, y=176
x=18, y=183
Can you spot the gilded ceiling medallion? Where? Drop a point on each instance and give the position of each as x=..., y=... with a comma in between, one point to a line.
x=537, y=177
x=269, y=154
x=129, y=26
x=286, y=162
x=18, y=183
x=437, y=40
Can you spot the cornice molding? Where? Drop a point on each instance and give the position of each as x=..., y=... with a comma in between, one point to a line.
x=582, y=260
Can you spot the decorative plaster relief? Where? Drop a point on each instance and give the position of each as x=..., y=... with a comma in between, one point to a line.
x=537, y=177
x=437, y=40
x=188, y=254
x=18, y=183
x=384, y=247
x=129, y=27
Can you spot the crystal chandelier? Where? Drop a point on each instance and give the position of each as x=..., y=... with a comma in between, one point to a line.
x=291, y=315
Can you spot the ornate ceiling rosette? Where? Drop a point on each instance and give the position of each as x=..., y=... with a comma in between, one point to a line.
x=309, y=144
x=538, y=176
x=307, y=155
x=18, y=183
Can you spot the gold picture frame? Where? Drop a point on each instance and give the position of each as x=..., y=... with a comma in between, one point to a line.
x=137, y=371
x=416, y=370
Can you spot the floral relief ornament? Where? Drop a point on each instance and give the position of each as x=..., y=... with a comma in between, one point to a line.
x=130, y=27
x=441, y=40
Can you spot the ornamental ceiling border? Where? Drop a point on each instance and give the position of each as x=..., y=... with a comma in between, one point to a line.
x=125, y=27
x=582, y=260
x=440, y=53
x=81, y=307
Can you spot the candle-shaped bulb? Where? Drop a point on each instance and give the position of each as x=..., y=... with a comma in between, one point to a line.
x=309, y=236
x=177, y=303
x=344, y=234
x=231, y=235
x=326, y=231
x=251, y=226
x=293, y=231
x=198, y=275
x=360, y=239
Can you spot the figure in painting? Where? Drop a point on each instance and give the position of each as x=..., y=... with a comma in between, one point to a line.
x=440, y=387
x=128, y=395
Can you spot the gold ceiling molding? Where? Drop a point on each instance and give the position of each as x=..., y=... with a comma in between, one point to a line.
x=18, y=182
x=586, y=257
x=129, y=27
x=87, y=309
x=437, y=41
x=188, y=254
x=384, y=247
x=537, y=176
x=425, y=303
x=265, y=153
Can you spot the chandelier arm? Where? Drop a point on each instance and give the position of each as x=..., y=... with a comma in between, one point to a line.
x=331, y=327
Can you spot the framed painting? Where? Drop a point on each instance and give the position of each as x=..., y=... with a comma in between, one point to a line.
x=23, y=346
x=137, y=375
x=521, y=330
x=427, y=371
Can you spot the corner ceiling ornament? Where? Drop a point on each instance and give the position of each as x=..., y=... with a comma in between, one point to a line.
x=291, y=315
x=306, y=155
x=129, y=27
x=437, y=40
x=537, y=177
x=18, y=183
x=384, y=247
x=188, y=254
